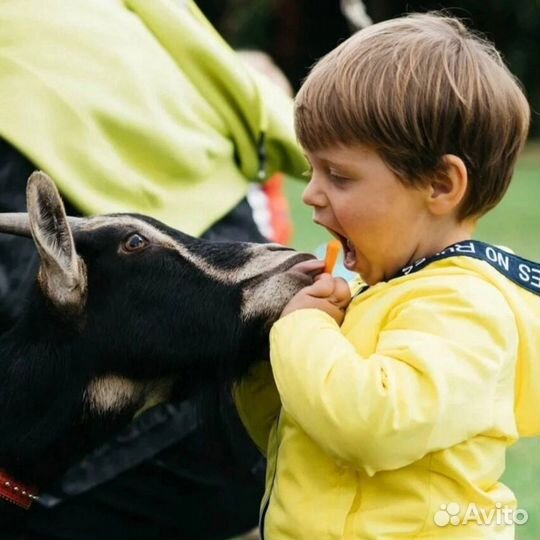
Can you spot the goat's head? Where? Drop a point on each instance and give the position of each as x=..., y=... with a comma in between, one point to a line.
x=141, y=303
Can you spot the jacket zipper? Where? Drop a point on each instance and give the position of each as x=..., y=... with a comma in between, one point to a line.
x=267, y=504
x=263, y=517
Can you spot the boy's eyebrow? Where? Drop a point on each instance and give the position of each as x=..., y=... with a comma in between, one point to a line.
x=332, y=163
x=337, y=164
x=328, y=162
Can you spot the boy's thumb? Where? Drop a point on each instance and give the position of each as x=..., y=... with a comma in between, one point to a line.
x=323, y=286
x=342, y=292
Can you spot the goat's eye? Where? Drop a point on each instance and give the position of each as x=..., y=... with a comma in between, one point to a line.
x=135, y=242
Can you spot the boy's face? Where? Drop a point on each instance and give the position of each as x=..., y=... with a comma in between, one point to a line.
x=382, y=223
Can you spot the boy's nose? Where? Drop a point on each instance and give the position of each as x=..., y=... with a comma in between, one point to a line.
x=313, y=195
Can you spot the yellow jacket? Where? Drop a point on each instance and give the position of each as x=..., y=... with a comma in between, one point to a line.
x=408, y=407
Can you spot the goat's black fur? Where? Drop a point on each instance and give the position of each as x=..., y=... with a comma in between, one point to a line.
x=155, y=315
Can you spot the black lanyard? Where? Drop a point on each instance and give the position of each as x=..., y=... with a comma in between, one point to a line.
x=521, y=271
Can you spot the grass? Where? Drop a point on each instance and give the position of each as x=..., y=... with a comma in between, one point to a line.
x=514, y=223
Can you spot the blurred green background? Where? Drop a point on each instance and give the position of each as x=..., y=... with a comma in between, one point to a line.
x=514, y=223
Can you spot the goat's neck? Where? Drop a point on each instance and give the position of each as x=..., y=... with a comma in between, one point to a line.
x=40, y=400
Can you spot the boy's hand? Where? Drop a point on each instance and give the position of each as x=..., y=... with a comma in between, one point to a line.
x=329, y=294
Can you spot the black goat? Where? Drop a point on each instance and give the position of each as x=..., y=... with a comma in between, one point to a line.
x=125, y=312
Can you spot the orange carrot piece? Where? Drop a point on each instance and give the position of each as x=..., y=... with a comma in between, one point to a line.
x=332, y=252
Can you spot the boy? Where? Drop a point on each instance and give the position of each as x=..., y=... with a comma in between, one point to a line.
x=395, y=416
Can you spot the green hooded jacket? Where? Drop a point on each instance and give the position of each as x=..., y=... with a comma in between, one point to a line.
x=138, y=106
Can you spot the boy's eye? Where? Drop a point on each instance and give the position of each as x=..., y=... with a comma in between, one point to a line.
x=337, y=178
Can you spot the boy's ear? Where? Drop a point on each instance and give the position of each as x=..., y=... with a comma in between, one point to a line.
x=448, y=190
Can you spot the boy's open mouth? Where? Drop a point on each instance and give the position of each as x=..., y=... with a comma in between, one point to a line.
x=349, y=252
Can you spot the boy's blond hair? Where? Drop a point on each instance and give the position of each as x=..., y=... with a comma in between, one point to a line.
x=414, y=89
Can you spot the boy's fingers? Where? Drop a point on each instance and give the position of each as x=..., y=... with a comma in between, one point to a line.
x=334, y=289
x=324, y=275
x=336, y=313
x=329, y=307
x=322, y=288
x=342, y=292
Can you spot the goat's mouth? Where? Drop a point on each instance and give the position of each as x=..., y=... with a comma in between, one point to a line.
x=306, y=267
x=311, y=267
x=300, y=268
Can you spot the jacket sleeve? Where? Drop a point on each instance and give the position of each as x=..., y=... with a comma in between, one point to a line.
x=249, y=105
x=258, y=404
x=430, y=383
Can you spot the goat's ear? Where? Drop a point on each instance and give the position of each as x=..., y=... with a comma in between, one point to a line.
x=62, y=273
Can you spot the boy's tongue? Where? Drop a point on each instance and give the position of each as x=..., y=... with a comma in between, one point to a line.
x=349, y=259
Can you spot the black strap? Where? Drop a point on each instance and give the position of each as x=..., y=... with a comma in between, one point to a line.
x=162, y=426
x=521, y=271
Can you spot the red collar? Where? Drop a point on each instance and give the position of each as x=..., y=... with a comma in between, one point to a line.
x=16, y=492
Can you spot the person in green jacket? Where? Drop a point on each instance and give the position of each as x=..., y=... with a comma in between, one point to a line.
x=140, y=106
x=391, y=411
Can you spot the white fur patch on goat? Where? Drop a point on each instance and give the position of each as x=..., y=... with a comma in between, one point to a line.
x=112, y=393
x=267, y=297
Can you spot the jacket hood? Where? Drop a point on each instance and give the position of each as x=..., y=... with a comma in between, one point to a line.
x=525, y=305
